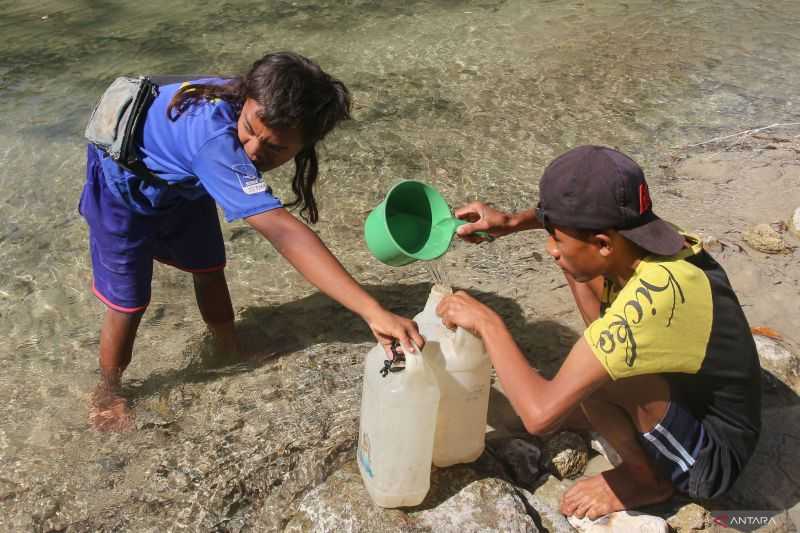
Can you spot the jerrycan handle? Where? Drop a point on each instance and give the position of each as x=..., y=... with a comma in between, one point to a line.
x=400, y=362
x=414, y=361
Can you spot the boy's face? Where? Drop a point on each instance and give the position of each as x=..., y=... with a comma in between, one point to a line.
x=267, y=148
x=582, y=254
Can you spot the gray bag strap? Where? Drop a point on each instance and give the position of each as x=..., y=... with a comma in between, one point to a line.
x=119, y=114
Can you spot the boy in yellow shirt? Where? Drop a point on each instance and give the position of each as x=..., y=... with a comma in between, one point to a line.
x=666, y=370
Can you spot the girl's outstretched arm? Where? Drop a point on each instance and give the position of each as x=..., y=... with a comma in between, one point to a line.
x=308, y=254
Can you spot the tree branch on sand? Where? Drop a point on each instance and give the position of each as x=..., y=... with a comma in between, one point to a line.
x=741, y=134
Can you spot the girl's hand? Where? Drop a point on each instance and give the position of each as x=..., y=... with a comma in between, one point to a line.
x=387, y=327
x=482, y=218
x=462, y=310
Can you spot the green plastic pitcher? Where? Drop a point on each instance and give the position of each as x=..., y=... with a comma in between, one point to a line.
x=412, y=223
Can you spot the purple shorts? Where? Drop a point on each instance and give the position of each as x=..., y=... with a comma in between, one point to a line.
x=124, y=243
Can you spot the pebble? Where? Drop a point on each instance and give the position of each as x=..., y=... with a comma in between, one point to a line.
x=566, y=455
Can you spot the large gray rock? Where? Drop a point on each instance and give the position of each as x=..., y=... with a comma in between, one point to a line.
x=342, y=503
x=549, y=517
x=459, y=501
x=483, y=505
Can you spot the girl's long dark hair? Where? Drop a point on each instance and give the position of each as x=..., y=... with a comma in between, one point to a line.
x=292, y=91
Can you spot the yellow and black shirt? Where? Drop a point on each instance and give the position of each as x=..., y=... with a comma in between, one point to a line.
x=678, y=316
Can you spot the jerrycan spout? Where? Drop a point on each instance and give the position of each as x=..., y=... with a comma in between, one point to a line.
x=437, y=294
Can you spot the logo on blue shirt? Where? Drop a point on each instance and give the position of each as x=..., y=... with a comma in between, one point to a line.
x=250, y=183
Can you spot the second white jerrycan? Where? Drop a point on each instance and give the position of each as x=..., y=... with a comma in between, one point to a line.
x=398, y=420
x=463, y=372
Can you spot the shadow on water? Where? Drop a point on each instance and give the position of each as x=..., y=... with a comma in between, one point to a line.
x=266, y=333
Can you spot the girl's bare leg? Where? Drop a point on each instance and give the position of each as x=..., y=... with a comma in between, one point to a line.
x=108, y=410
x=214, y=301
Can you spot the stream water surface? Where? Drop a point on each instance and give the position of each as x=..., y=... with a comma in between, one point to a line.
x=472, y=97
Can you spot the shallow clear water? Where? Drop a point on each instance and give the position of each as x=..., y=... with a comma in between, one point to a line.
x=473, y=97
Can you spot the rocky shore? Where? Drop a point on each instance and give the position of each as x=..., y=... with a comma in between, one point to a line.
x=268, y=444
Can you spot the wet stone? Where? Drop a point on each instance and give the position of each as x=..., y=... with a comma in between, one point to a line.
x=111, y=463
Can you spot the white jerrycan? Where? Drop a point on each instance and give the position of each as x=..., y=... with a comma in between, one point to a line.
x=398, y=420
x=463, y=370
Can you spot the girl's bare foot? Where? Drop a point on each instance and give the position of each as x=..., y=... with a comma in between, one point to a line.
x=108, y=411
x=614, y=490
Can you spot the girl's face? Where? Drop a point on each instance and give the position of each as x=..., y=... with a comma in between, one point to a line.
x=266, y=147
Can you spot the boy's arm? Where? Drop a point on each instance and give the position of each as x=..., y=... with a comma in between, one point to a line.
x=482, y=217
x=309, y=255
x=542, y=404
x=587, y=296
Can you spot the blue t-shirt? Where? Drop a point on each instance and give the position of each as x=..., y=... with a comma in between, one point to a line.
x=197, y=154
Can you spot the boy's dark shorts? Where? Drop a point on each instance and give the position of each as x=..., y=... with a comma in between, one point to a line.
x=124, y=243
x=685, y=452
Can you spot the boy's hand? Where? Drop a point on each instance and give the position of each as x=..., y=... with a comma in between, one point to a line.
x=462, y=310
x=482, y=218
x=387, y=327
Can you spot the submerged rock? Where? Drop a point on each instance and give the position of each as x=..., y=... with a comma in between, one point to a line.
x=566, y=455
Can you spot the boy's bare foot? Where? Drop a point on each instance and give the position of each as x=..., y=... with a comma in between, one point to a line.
x=614, y=490
x=108, y=411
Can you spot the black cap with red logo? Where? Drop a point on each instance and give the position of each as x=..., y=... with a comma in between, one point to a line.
x=597, y=188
